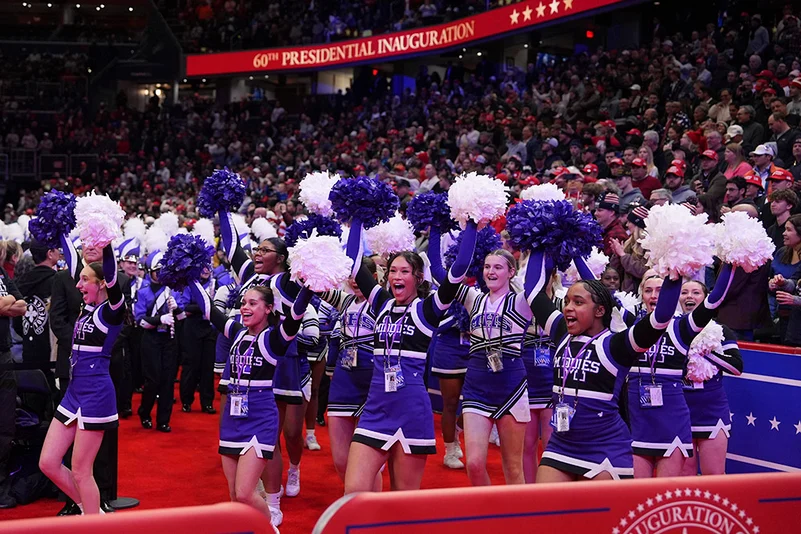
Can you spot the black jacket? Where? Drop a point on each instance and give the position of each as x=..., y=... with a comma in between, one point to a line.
x=36, y=287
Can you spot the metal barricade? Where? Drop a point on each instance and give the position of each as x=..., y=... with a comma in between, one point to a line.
x=50, y=164
x=77, y=160
x=4, y=170
x=22, y=163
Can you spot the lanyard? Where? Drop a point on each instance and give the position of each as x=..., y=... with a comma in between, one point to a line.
x=389, y=340
x=241, y=360
x=358, y=323
x=78, y=327
x=488, y=334
x=577, y=359
x=653, y=360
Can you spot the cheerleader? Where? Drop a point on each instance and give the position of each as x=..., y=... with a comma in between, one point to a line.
x=250, y=422
x=153, y=311
x=658, y=413
x=90, y=399
x=267, y=267
x=317, y=355
x=449, y=354
x=709, y=408
x=352, y=359
x=396, y=423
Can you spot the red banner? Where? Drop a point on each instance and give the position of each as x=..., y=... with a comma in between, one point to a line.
x=727, y=504
x=392, y=45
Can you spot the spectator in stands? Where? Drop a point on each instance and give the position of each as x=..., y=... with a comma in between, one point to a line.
x=753, y=132
x=735, y=194
x=674, y=182
x=795, y=164
x=786, y=262
x=709, y=180
x=735, y=161
x=782, y=204
x=783, y=136
x=641, y=179
x=762, y=157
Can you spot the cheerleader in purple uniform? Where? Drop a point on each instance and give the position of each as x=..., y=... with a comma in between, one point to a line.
x=709, y=408
x=317, y=355
x=537, y=358
x=250, y=422
x=352, y=359
x=658, y=413
x=89, y=406
x=449, y=354
x=590, y=364
x=396, y=423
x=267, y=268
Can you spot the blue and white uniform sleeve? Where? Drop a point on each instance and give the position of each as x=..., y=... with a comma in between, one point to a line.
x=376, y=295
x=281, y=336
x=435, y=305
x=730, y=360
x=438, y=271
x=114, y=313
x=70, y=256
x=241, y=264
x=225, y=325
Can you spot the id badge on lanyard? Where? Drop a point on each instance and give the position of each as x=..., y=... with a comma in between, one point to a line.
x=650, y=395
x=348, y=359
x=494, y=355
x=238, y=405
x=542, y=356
x=495, y=360
x=393, y=379
x=562, y=417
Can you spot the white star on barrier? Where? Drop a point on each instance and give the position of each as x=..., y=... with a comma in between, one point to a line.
x=774, y=424
x=514, y=16
x=554, y=6
x=527, y=13
x=541, y=10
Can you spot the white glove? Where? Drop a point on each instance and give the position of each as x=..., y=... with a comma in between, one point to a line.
x=171, y=304
x=167, y=319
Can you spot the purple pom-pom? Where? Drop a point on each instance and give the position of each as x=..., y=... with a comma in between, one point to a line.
x=363, y=198
x=487, y=240
x=430, y=209
x=222, y=191
x=554, y=227
x=303, y=229
x=55, y=217
x=462, y=316
x=184, y=260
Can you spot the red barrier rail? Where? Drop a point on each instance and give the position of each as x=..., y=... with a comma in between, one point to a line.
x=217, y=518
x=731, y=504
x=767, y=347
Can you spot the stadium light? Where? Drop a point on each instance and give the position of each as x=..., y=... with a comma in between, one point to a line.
x=203, y=80
x=130, y=9
x=184, y=80
x=49, y=5
x=89, y=70
x=77, y=6
x=97, y=8
x=460, y=56
x=590, y=34
x=478, y=54
x=525, y=45
x=24, y=4
x=250, y=78
x=102, y=6
x=266, y=76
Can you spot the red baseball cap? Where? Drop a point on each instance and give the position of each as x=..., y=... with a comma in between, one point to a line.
x=711, y=154
x=610, y=124
x=590, y=168
x=678, y=171
x=765, y=74
x=634, y=131
x=679, y=163
x=769, y=90
x=752, y=179
x=796, y=83
x=617, y=161
x=780, y=175
x=639, y=162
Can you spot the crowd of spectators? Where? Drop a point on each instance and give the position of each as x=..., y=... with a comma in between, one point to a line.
x=215, y=25
x=708, y=119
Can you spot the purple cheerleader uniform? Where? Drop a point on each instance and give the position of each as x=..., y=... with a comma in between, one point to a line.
x=293, y=373
x=250, y=418
x=90, y=398
x=353, y=356
x=590, y=437
x=709, y=406
x=538, y=358
x=496, y=329
x=449, y=348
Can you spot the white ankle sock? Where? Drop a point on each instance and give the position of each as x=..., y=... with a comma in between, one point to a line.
x=309, y=432
x=274, y=500
x=293, y=466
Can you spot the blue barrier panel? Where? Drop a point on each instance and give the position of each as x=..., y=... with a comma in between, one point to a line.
x=766, y=405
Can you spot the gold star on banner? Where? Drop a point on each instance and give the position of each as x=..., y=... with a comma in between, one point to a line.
x=554, y=6
x=527, y=13
x=541, y=10
x=514, y=16
x=568, y=4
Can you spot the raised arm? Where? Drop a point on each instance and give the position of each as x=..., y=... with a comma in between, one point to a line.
x=691, y=324
x=282, y=336
x=375, y=294
x=116, y=300
x=545, y=312
x=438, y=271
x=241, y=264
x=627, y=345
x=435, y=305
x=226, y=326
x=71, y=256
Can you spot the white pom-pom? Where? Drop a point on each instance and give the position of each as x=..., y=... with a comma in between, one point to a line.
x=742, y=241
x=13, y=232
x=709, y=340
x=597, y=262
x=263, y=229
x=134, y=228
x=319, y=262
x=23, y=221
x=167, y=223
x=99, y=220
x=542, y=192
x=314, y=191
x=395, y=235
x=205, y=229
x=676, y=242
x=477, y=197
x=628, y=301
x=241, y=224
x=155, y=240
x=182, y=231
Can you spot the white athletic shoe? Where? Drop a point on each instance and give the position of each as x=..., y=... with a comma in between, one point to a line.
x=494, y=437
x=276, y=516
x=311, y=443
x=451, y=461
x=293, y=482
x=459, y=453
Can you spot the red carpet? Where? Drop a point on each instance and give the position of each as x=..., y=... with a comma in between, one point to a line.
x=183, y=469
